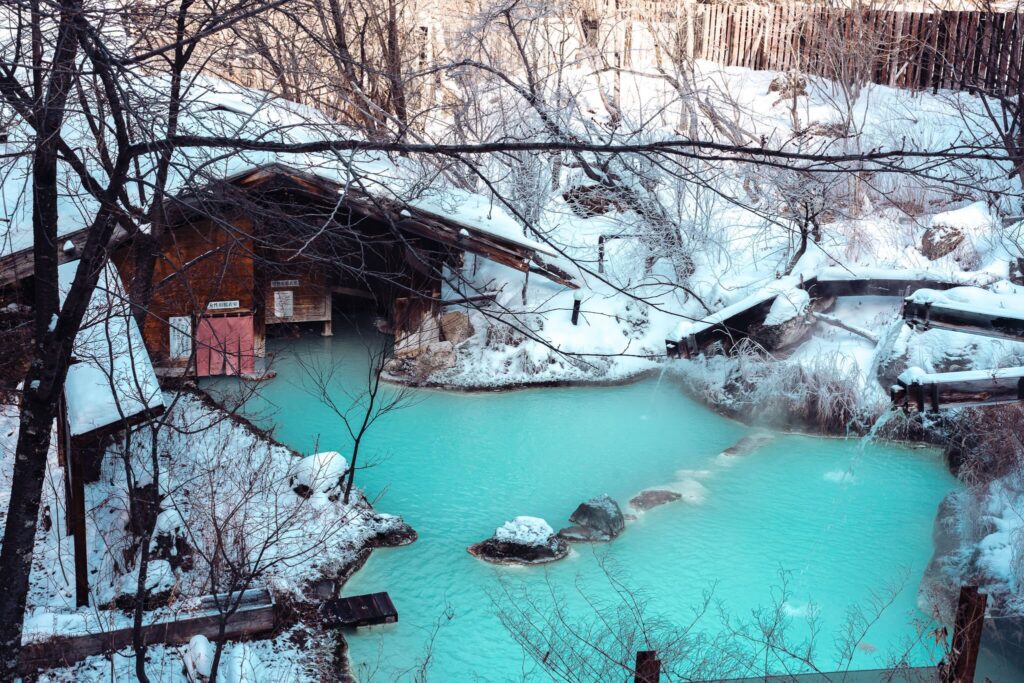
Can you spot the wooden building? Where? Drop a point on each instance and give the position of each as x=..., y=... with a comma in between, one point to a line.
x=276, y=246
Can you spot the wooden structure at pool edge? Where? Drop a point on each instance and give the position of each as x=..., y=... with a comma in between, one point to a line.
x=256, y=616
x=372, y=609
x=274, y=246
x=732, y=329
x=932, y=391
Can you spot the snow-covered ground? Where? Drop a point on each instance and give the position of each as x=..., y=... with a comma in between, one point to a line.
x=739, y=231
x=231, y=499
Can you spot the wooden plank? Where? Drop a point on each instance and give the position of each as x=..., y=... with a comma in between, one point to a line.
x=1013, y=80
x=1004, y=53
x=257, y=616
x=985, y=20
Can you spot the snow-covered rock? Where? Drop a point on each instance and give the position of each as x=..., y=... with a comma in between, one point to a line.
x=319, y=474
x=964, y=233
x=598, y=519
x=198, y=658
x=523, y=540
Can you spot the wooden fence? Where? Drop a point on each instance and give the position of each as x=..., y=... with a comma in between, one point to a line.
x=920, y=50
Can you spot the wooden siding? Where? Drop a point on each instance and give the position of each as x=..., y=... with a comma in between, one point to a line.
x=199, y=263
x=309, y=291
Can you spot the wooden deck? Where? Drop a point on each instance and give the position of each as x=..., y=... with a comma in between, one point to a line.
x=371, y=609
x=256, y=615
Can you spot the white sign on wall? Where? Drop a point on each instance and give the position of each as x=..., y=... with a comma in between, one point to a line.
x=181, y=337
x=284, y=304
x=221, y=305
x=284, y=283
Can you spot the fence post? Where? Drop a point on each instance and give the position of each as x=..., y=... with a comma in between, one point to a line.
x=963, y=655
x=648, y=667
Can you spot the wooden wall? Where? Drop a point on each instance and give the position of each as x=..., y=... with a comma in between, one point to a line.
x=199, y=263
x=309, y=291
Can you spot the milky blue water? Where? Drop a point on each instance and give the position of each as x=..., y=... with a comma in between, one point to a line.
x=844, y=520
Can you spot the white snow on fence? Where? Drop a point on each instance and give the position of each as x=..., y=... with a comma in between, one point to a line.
x=112, y=378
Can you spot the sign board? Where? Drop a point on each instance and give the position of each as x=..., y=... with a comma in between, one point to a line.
x=284, y=304
x=284, y=283
x=221, y=305
x=181, y=336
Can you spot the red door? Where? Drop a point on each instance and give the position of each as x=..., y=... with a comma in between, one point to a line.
x=224, y=346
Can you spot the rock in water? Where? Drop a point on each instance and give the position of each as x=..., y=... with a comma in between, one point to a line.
x=600, y=514
x=748, y=444
x=524, y=540
x=651, y=498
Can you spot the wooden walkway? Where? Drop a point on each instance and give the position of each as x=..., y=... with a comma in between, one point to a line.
x=256, y=615
x=724, y=329
x=361, y=610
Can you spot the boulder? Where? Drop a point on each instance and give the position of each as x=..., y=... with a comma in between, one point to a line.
x=456, y=327
x=392, y=532
x=651, y=498
x=748, y=444
x=601, y=514
x=940, y=240
x=434, y=357
x=524, y=540
x=320, y=474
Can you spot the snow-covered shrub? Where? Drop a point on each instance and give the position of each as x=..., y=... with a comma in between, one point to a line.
x=986, y=442
x=825, y=393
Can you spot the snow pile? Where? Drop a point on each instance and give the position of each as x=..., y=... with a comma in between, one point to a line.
x=199, y=657
x=787, y=306
x=318, y=474
x=524, y=530
x=223, y=486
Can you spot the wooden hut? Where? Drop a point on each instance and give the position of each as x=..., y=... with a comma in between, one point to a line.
x=275, y=246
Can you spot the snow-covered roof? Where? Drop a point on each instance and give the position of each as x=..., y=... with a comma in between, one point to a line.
x=113, y=378
x=214, y=107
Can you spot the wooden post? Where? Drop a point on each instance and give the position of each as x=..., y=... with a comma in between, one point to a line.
x=329, y=323
x=577, y=300
x=935, y=397
x=648, y=667
x=74, y=502
x=919, y=395
x=970, y=619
